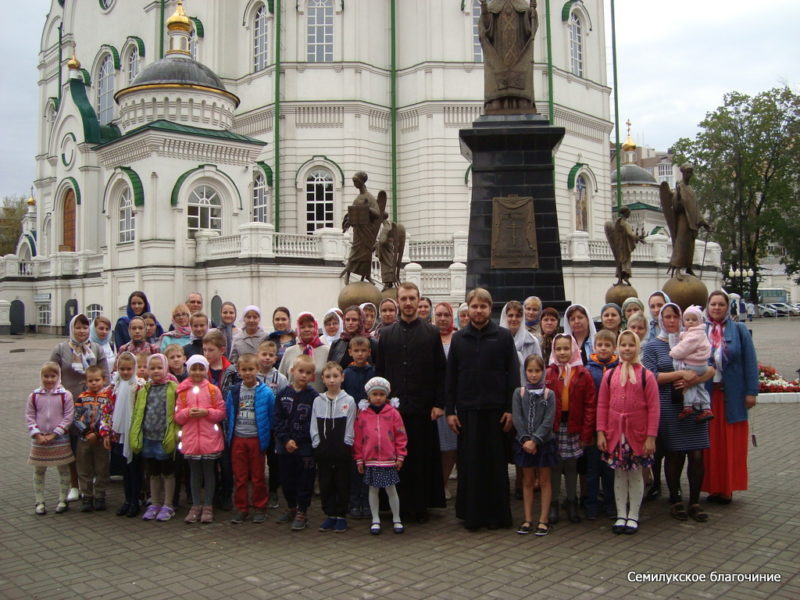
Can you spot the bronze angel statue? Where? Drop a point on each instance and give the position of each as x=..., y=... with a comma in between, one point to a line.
x=364, y=216
x=622, y=239
x=683, y=220
x=390, y=246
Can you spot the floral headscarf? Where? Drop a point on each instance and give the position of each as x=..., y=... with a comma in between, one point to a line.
x=362, y=324
x=574, y=358
x=308, y=347
x=164, y=362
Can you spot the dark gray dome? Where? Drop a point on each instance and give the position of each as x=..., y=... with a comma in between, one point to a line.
x=634, y=174
x=178, y=69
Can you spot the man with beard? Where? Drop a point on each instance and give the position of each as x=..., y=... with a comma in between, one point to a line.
x=411, y=357
x=482, y=373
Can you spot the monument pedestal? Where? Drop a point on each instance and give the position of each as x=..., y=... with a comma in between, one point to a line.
x=513, y=251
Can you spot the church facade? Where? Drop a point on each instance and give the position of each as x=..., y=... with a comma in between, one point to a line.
x=212, y=150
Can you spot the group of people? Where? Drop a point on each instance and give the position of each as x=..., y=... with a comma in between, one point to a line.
x=393, y=397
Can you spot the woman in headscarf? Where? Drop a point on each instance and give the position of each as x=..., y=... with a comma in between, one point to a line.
x=734, y=392
x=448, y=441
x=370, y=316
x=630, y=306
x=677, y=440
x=655, y=302
x=354, y=326
x=511, y=318
x=181, y=332
x=463, y=315
x=611, y=318
x=136, y=307
x=308, y=343
x=332, y=327
x=228, y=325
x=424, y=309
x=283, y=335
x=388, y=313
x=578, y=324
x=73, y=357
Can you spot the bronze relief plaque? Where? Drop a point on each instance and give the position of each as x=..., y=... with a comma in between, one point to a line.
x=514, y=233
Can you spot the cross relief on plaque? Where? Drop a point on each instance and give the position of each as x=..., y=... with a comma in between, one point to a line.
x=513, y=233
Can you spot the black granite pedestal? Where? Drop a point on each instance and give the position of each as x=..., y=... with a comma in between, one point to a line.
x=512, y=155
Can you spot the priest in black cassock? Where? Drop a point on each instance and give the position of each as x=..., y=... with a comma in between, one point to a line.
x=411, y=357
x=482, y=373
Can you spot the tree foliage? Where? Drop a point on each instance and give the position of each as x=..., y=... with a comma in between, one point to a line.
x=11, y=212
x=746, y=168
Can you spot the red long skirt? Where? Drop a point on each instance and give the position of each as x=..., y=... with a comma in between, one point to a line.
x=726, y=459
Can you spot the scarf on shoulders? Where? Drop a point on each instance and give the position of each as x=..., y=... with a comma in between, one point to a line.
x=125, y=396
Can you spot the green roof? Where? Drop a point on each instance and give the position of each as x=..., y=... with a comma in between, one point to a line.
x=170, y=127
x=639, y=206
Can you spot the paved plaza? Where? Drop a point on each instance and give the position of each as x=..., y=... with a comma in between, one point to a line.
x=99, y=555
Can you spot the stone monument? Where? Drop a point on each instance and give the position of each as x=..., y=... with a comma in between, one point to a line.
x=684, y=222
x=514, y=248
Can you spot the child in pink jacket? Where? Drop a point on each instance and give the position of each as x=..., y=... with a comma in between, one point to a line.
x=379, y=448
x=628, y=410
x=199, y=409
x=693, y=352
x=48, y=415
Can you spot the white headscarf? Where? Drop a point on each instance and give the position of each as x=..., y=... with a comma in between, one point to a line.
x=592, y=329
x=329, y=339
x=124, y=397
x=524, y=340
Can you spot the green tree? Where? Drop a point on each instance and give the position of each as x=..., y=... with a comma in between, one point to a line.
x=12, y=210
x=746, y=159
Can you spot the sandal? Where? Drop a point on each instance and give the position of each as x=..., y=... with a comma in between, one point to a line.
x=542, y=528
x=631, y=529
x=375, y=529
x=525, y=528
x=678, y=511
x=397, y=527
x=697, y=513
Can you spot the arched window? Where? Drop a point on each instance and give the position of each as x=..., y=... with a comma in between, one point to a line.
x=204, y=210
x=260, y=199
x=127, y=219
x=575, y=45
x=68, y=223
x=133, y=64
x=260, y=39
x=319, y=200
x=477, y=50
x=319, y=33
x=105, y=91
x=93, y=311
x=581, y=204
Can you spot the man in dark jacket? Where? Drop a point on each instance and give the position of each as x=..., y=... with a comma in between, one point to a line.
x=411, y=357
x=482, y=373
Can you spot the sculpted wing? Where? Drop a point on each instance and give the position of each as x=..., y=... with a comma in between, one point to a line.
x=382, y=199
x=667, y=208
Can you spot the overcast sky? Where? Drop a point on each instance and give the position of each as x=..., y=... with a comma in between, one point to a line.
x=676, y=60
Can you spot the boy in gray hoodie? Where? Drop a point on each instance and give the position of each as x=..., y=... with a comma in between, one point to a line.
x=332, y=420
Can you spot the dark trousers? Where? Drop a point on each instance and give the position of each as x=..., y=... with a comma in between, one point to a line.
x=273, y=467
x=182, y=479
x=598, y=472
x=224, y=488
x=297, y=479
x=359, y=491
x=131, y=474
x=334, y=486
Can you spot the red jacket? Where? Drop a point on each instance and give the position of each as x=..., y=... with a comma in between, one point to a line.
x=380, y=438
x=582, y=407
x=200, y=435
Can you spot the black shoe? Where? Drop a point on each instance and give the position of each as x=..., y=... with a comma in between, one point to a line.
x=653, y=493
x=133, y=511
x=86, y=504
x=553, y=516
x=123, y=510
x=100, y=504
x=572, y=512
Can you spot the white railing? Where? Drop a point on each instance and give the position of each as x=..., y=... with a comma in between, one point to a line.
x=297, y=245
x=428, y=250
x=26, y=269
x=600, y=250
x=224, y=246
x=436, y=282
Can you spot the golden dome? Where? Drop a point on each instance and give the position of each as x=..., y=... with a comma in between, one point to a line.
x=30, y=201
x=73, y=63
x=179, y=20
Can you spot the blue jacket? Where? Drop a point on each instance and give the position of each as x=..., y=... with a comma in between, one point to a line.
x=291, y=419
x=740, y=376
x=264, y=406
x=355, y=378
x=597, y=368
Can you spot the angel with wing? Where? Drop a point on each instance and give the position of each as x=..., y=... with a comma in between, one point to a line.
x=622, y=239
x=389, y=246
x=683, y=220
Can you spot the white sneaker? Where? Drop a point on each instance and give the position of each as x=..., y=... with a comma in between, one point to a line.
x=73, y=495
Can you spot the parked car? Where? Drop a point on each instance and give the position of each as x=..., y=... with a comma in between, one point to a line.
x=766, y=311
x=790, y=310
x=780, y=308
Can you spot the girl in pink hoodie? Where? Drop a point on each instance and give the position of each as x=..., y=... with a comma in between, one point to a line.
x=199, y=409
x=628, y=410
x=379, y=448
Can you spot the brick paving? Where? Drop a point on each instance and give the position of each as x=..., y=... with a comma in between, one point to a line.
x=103, y=556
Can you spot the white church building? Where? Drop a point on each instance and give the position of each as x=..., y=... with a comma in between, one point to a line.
x=209, y=146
